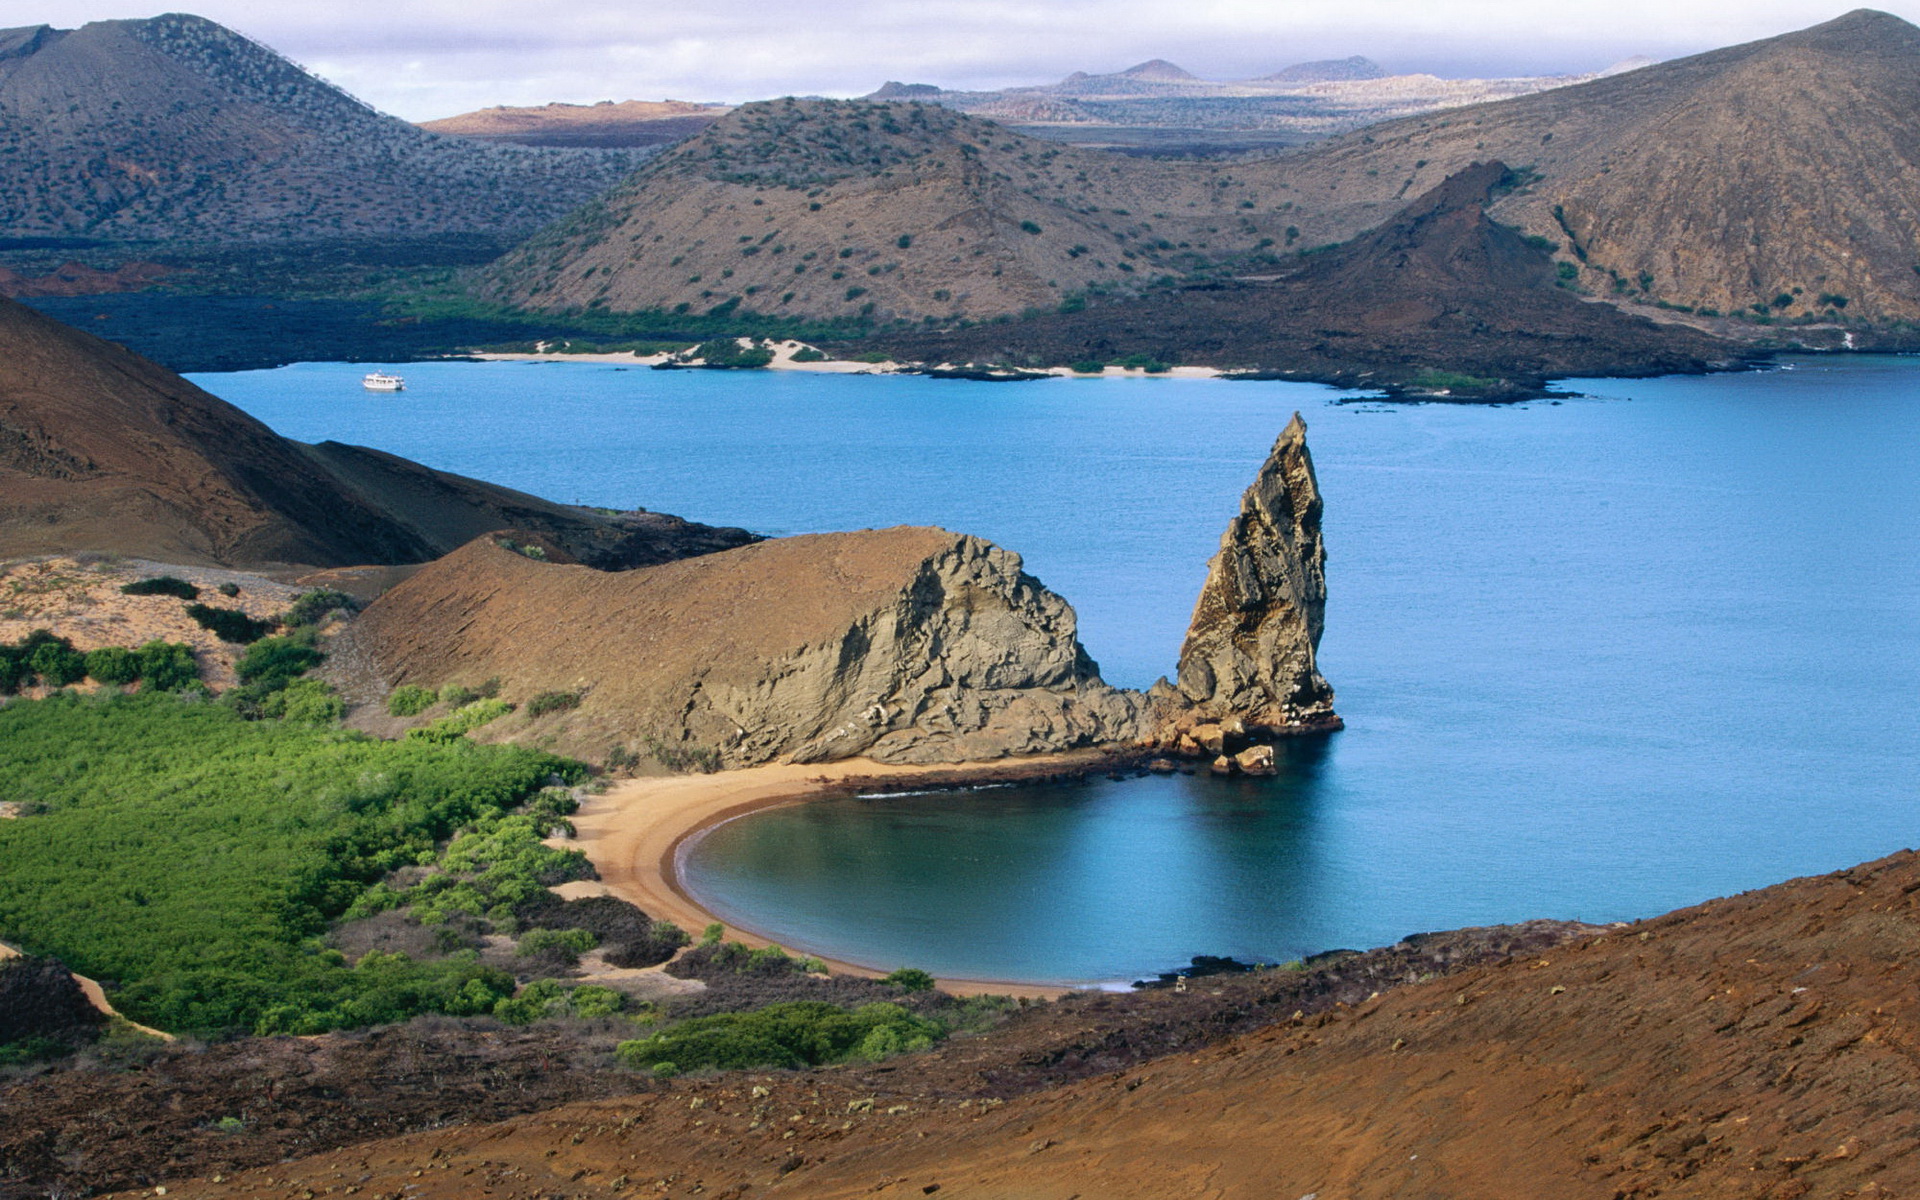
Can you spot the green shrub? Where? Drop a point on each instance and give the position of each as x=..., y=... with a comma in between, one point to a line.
x=229, y=624
x=577, y=941
x=873, y=356
x=730, y=354
x=14, y=671
x=547, y=702
x=307, y=700
x=311, y=607
x=809, y=354
x=1089, y=367
x=798, y=1034
x=274, y=661
x=113, y=664
x=167, y=666
x=410, y=700
x=228, y=589
x=162, y=585
x=54, y=659
x=911, y=979
x=1029, y=227
x=458, y=696
x=456, y=724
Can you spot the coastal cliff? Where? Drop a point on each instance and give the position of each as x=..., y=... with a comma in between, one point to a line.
x=906, y=645
x=1249, y=652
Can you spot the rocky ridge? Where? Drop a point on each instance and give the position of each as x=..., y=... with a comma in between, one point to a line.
x=907, y=645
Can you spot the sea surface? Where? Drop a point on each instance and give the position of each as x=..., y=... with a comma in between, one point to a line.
x=1599, y=657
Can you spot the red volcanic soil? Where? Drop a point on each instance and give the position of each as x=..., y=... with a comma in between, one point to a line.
x=1757, y=1046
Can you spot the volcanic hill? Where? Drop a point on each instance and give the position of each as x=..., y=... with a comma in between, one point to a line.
x=841, y=208
x=175, y=127
x=1782, y=174
x=101, y=450
x=1757, y=1046
x=1439, y=301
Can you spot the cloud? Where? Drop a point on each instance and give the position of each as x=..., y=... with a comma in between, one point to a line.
x=427, y=58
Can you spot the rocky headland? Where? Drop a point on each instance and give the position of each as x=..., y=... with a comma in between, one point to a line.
x=903, y=645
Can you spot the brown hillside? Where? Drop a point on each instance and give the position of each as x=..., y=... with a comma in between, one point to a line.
x=834, y=208
x=1440, y=287
x=1758, y=1046
x=1789, y=165
x=907, y=644
x=103, y=450
x=627, y=124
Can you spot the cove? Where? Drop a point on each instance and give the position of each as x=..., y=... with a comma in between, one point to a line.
x=1598, y=659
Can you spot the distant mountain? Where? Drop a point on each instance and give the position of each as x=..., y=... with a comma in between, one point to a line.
x=102, y=450
x=629, y=124
x=175, y=127
x=1778, y=177
x=1331, y=70
x=1300, y=103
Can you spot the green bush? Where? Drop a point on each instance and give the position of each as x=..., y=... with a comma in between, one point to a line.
x=167, y=666
x=54, y=659
x=196, y=857
x=1029, y=227
x=1089, y=367
x=456, y=724
x=457, y=696
x=229, y=624
x=547, y=702
x=574, y=941
x=307, y=700
x=113, y=664
x=311, y=607
x=797, y=1034
x=730, y=354
x=274, y=661
x=809, y=354
x=162, y=585
x=911, y=979
x=410, y=700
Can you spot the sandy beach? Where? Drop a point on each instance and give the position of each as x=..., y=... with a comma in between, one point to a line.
x=635, y=832
x=783, y=360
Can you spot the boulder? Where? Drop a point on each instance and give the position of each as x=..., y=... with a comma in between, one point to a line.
x=1255, y=760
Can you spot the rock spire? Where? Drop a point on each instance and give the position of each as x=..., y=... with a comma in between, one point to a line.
x=1249, y=653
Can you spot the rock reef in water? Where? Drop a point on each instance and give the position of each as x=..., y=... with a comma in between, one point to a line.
x=1248, y=660
x=907, y=645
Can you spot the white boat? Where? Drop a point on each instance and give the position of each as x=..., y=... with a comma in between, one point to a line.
x=379, y=381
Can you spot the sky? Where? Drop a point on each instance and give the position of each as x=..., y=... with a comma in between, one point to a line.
x=421, y=59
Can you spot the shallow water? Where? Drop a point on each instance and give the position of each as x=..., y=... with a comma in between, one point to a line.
x=1598, y=658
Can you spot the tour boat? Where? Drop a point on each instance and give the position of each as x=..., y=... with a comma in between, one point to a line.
x=381, y=382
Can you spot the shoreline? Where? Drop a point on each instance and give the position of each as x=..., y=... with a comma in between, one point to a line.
x=637, y=832
x=783, y=360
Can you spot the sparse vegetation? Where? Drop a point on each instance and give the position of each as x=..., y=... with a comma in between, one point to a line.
x=552, y=702
x=455, y=725
x=798, y=1034
x=410, y=700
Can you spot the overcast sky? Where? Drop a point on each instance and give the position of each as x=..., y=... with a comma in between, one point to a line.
x=434, y=58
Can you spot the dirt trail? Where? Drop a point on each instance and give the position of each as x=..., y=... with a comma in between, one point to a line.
x=635, y=832
x=1759, y=1046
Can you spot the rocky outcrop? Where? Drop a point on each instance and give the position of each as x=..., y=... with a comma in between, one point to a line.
x=1247, y=666
x=908, y=645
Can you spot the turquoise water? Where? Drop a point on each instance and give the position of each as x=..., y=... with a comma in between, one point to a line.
x=1598, y=658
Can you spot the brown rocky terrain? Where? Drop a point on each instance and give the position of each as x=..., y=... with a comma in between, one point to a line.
x=1787, y=167
x=108, y=1123
x=623, y=125
x=1756, y=1046
x=1441, y=301
x=1778, y=173
x=905, y=644
x=174, y=127
x=101, y=450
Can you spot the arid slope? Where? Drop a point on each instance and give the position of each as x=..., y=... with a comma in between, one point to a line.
x=1758, y=1046
x=101, y=450
x=628, y=124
